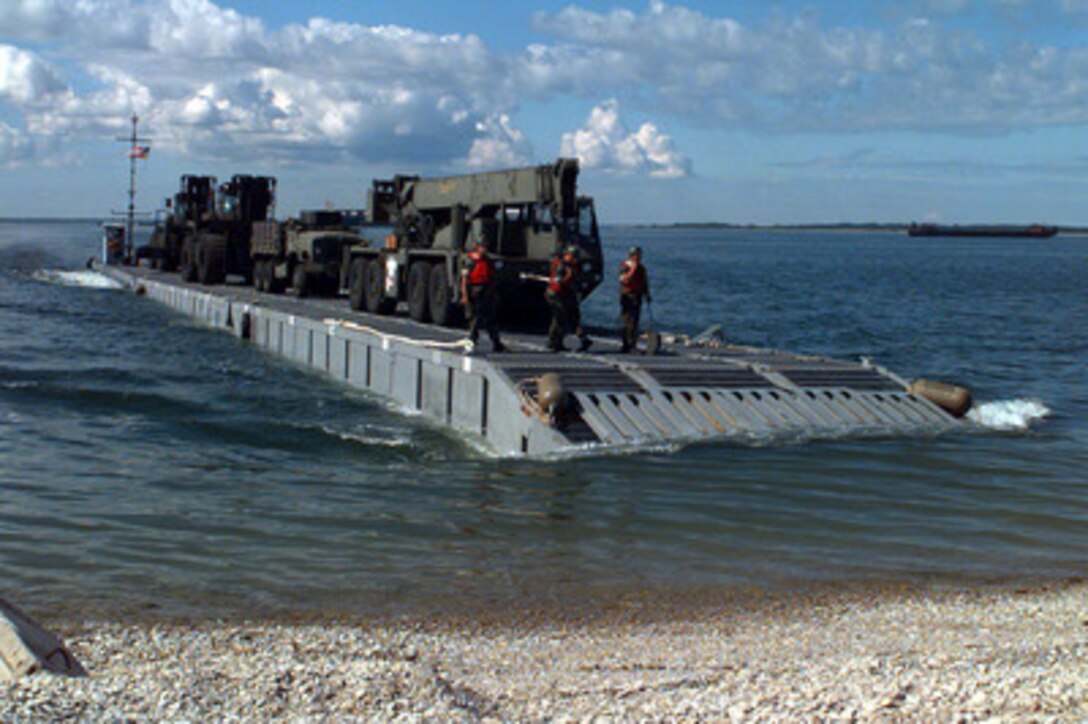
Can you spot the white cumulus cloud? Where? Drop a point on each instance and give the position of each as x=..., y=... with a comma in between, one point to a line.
x=210, y=81
x=25, y=78
x=605, y=144
x=15, y=145
x=501, y=144
x=795, y=73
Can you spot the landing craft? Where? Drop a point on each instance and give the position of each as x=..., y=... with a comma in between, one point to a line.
x=527, y=401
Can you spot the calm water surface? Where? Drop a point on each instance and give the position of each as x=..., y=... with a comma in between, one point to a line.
x=145, y=461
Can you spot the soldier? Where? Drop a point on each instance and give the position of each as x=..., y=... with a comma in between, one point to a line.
x=634, y=285
x=478, y=295
x=562, y=297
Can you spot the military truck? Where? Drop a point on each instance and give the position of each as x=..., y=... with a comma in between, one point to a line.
x=218, y=244
x=312, y=253
x=194, y=201
x=526, y=215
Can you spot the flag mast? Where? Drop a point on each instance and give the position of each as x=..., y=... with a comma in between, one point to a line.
x=135, y=153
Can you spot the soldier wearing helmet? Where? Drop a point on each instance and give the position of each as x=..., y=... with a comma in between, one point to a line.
x=634, y=286
x=478, y=294
x=562, y=297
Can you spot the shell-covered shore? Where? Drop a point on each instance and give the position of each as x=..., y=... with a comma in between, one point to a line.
x=912, y=654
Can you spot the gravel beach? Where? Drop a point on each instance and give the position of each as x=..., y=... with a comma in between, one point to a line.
x=882, y=653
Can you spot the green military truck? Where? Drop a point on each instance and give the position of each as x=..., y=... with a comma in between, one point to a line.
x=311, y=254
x=193, y=203
x=218, y=243
x=526, y=215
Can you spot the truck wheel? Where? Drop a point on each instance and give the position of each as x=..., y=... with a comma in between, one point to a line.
x=300, y=280
x=188, y=261
x=211, y=259
x=258, y=276
x=376, y=301
x=168, y=263
x=275, y=284
x=441, y=295
x=418, y=281
x=264, y=274
x=357, y=284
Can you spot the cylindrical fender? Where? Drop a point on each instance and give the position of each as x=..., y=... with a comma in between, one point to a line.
x=550, y=393
x=953, y=399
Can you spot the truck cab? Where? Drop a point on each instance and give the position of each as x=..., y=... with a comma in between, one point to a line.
x=311, y=254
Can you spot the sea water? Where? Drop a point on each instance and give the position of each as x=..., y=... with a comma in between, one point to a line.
x=150, y=464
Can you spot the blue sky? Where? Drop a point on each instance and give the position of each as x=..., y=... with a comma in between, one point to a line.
x=744, y=112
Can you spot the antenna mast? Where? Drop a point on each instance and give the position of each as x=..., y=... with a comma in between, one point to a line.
x=135, y=152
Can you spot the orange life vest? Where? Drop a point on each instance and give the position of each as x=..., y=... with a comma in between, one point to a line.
x=634, y=277
x=482, y=270
x=561, y=276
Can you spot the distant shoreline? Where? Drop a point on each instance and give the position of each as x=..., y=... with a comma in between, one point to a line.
x=841, y=227
x=674, y=226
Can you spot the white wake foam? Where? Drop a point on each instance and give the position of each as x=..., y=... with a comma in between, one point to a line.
x=1008, y=414
x=367, y=439
x=83, y=278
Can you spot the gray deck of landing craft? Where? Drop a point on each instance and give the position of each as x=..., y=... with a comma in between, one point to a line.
x=616, y=401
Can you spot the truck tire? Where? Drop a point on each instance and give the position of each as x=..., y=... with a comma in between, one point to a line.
x=275, y=284
x=300, y=282
x=188, y=261
x=443, y=311
x=357, y=284
x=418, y=292
x=168, y=263
x=211, y=259
x=266, y=271
x=376, y=301
x=258, y=276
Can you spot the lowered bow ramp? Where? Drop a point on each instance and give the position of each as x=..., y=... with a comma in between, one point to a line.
x=611, y=400
x=739, y=392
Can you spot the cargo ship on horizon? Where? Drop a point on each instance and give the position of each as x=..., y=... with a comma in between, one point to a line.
x=1034, y=231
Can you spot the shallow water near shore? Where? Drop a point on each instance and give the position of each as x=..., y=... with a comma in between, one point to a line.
x=150, y=465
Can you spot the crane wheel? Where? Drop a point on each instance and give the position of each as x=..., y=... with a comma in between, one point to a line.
x=443, y=311
x=418, y=293
x=357, y=284
x=376, y=300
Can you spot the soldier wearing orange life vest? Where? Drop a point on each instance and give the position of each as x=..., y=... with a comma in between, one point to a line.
x=634, y=285
x=562, y=297
x=478, y=294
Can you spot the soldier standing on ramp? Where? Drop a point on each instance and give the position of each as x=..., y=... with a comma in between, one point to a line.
x=478, y=295
x=634, y=285
x=562, y=297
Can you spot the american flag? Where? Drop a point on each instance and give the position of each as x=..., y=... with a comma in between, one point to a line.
x=139, y=152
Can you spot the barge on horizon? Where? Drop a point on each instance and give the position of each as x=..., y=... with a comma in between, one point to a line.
x=1032, y=231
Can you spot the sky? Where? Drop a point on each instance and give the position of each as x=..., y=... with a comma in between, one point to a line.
x=742, y=111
